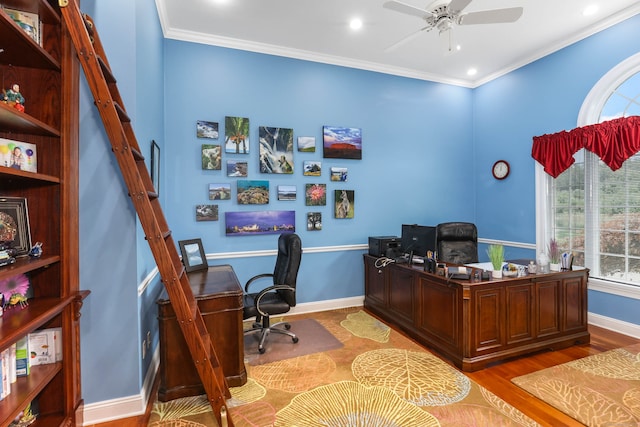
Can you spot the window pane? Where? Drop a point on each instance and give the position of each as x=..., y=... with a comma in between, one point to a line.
x=634, y=243
x=612, y=267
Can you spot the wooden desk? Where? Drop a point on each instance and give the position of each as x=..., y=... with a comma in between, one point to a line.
x=219, y=297
x=474, y=324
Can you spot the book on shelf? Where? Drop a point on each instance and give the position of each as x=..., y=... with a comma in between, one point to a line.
x=18, y=155
x=22, y=357
x=29, y=22
x=42, y=347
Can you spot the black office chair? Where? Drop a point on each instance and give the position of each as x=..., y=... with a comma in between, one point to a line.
x=457, y=242
x=278, y=298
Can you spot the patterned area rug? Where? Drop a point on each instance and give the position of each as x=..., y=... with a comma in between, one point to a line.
x=376, y=378
x=599, y=390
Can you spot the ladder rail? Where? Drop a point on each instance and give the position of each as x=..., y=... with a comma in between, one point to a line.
x=136, y=176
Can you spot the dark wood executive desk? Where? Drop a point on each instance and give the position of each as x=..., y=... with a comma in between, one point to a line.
x=219, y=297
x=477, y=323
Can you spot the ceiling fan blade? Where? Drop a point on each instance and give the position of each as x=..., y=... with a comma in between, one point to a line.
x=407, y=9
x=497, y=16
x=458, y=5
x=406, y=39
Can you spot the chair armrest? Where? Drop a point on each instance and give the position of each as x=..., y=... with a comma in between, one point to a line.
x=254, y=278
x=265, y=291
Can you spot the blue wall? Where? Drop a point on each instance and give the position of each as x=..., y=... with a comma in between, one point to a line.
x=427, y=153
x=414, y=134
x=114, y=257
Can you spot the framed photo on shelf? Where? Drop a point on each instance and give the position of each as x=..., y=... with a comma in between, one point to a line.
x=155, y=166
x=18, y=155
x=14, y=224
x=193, y=256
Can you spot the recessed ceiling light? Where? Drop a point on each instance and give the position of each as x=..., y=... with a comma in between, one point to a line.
x=590, y=10
x=472, y=71
x=355, y=24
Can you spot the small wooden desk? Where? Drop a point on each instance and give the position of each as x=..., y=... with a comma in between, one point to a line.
x=219, y=296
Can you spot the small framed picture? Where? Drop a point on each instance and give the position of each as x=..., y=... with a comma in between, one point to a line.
x=312, y=168
x=206, y=213
x=193, y=256
x=237, y=169
x=18, y=155
x=338, y=174
x=314, y=221
x=211, y=157
x=14, y=224
x=220, y=191
x=307, y=144
x=344, y=206
x=206, y=129
x=315, y=195
x=286, y=192
x=155, y=166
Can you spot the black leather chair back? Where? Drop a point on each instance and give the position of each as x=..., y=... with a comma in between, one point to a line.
x=457, y=242
x=287, y=265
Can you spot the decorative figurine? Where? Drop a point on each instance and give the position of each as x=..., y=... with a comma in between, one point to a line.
x=12, y=96
x=36, y=250
x=14, y=290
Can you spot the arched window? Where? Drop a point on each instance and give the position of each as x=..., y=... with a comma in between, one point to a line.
x=589, y=209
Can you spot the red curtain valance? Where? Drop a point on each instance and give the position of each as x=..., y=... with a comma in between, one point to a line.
x=613, y=141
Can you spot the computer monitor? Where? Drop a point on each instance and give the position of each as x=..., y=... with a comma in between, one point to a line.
x=418, y=239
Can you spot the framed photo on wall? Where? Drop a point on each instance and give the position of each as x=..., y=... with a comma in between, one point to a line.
x=155, y=166
x=341, y=142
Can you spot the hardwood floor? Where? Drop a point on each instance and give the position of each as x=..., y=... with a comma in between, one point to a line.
x=497, y=378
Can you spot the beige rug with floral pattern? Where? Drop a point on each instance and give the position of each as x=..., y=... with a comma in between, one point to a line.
x=377, y=378
x=599, y=390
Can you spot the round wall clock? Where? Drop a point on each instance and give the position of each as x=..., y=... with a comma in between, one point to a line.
x=500, y=169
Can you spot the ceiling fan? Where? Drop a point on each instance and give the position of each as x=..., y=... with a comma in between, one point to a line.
x=443, y=17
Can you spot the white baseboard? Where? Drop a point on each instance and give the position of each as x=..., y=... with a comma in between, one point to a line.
x=615, y=325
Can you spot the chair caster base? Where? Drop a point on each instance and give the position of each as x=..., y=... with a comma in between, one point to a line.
x=294, y=339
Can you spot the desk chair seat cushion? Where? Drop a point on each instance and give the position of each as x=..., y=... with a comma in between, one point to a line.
x=271, y=303
x=457, y=242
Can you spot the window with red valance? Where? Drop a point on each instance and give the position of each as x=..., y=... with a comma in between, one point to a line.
x=613, y=141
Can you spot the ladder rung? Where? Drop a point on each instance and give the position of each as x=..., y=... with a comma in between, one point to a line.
x=152, y=195
x=108, y=75
x=137, y=155
x=124, y=117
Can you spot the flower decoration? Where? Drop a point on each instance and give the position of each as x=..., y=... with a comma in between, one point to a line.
x=14, y=285
x=554, y=251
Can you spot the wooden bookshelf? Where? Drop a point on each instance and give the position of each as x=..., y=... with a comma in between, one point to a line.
x=48, y=75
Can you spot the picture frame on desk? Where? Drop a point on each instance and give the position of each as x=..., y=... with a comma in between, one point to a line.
x=15, y=231
x=193, y=256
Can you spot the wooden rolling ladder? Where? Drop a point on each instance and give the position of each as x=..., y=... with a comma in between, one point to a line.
x=145, y=200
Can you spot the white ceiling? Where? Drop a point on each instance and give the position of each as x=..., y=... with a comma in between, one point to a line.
x=319, y=31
